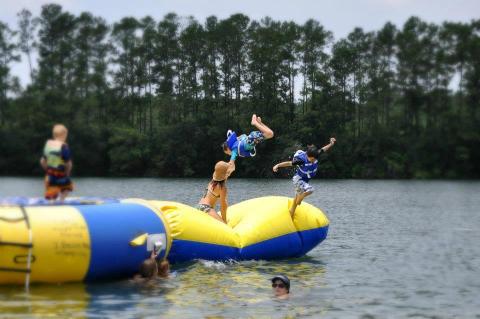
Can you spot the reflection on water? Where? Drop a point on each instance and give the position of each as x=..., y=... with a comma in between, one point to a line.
x=394, y=249
x=215, y=289
x=44, y=300
x=239, y=287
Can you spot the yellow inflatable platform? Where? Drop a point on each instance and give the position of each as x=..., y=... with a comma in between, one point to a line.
x=92, y=240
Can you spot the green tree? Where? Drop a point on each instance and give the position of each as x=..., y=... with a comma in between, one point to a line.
x=8, y=54
x=27, y=27
x=313, y=57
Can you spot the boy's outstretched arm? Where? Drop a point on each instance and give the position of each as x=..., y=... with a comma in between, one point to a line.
x=282, y=164
x=327, y=147
x=153, y=255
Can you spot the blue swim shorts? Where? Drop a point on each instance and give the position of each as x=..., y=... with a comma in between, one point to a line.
x=255, y=137
x=301, y=186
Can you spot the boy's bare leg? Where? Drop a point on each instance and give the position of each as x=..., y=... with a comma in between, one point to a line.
x=294, y=205
x=297, y=201
x=257, y=122
x=301, y=197
x=63, y=195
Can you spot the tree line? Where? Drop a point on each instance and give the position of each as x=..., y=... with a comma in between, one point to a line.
x=154, y=98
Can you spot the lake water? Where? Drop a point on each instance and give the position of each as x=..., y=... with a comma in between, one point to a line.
x=395, y=249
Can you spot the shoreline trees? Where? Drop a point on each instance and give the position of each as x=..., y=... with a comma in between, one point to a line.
x=155, y=98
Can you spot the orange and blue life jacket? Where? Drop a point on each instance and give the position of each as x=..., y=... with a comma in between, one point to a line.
x=56, y=156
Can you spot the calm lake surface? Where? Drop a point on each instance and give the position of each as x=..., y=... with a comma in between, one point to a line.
x=395, y=249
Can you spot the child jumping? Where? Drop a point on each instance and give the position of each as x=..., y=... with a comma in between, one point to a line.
x=244, y=145
x=306, y=167
x=57, y=164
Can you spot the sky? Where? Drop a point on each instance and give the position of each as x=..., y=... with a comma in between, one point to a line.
x=338, y=16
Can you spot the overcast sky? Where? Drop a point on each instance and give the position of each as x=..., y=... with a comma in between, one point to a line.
x=338, y=16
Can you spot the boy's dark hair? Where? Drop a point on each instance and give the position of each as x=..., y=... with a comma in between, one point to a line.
x=148, y=268
x=225, y=146
x=312, y=151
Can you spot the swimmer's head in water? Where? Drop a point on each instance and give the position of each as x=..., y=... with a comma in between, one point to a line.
x=149, y=268
x=280, y=284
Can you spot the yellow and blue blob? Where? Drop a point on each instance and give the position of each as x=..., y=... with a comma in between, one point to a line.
x=93, y=241
x=259, y=228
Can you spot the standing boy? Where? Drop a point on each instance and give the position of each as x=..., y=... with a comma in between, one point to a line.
x=57, y=164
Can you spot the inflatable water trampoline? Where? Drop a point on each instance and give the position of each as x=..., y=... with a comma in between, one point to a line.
x=92, y=239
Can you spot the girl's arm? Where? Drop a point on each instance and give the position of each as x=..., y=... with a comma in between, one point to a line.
x=223, y=203
x=231, y=168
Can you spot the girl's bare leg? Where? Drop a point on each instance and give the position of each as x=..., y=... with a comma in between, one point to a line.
x=214, y=214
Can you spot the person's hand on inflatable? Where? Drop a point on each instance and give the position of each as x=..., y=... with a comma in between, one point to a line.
x=153, y=255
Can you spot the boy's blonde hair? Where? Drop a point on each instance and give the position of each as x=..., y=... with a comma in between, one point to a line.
x=59, y=131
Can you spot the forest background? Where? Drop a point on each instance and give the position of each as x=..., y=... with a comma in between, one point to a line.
x=155, y=98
